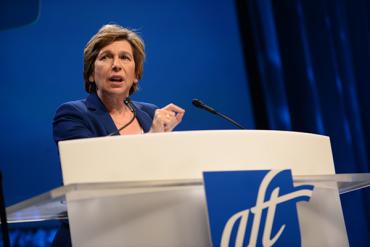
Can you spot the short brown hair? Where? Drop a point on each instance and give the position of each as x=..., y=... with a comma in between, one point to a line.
x=105, y=36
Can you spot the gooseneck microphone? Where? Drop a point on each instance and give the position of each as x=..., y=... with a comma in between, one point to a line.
x=129, y=105
x=201, y=105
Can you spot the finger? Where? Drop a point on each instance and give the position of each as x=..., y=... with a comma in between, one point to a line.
x=169, y=114
x=174, y=108
x=173, y=122
x=167, y=118
x=179, y=116
x=158, y=124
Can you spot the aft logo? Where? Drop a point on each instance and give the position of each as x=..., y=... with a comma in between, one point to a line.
x=254, y=208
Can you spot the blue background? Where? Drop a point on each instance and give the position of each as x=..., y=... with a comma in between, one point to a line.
x=307, y=71
x=193, y=51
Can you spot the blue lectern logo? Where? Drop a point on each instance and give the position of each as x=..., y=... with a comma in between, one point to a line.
x=254, y=208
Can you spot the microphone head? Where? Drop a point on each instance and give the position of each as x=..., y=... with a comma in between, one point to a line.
x=197, y=103
x=201, y=105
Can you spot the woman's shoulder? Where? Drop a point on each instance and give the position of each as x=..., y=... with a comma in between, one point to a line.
x=75, y=105
x=148, y=108
x=145, y=105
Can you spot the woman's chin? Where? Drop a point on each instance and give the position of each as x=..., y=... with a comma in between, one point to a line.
x=118, y=91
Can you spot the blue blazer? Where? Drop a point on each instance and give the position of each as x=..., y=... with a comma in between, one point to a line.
x=89, y=118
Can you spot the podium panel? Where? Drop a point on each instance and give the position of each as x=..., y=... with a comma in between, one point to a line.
x=147, y=190
x=184, y=200
x=179, y=218
x=185, y=155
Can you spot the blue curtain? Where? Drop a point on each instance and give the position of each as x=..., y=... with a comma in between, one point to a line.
x=310, y=61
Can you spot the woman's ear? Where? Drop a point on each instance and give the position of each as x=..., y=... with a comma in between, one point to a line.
x=91, y=78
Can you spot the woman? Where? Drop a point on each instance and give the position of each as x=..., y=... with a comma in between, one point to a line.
x=113, y=66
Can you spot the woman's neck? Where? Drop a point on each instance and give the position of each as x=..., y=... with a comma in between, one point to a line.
x=113, y=103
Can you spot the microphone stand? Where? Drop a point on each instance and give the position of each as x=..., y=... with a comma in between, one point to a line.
x=201, y=105
x=229, y=119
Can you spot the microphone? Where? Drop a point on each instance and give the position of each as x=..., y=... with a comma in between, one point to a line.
x=201, y=105
x=129, y=105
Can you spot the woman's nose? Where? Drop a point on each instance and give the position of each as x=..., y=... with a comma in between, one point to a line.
x=116, y=65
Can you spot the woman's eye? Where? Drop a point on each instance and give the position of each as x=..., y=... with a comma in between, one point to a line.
x=126, y=58
x=104, y=57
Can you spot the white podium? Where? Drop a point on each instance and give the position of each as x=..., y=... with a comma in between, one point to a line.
x=147, y=190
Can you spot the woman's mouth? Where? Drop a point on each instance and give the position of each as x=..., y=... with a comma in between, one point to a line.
x=116, y=78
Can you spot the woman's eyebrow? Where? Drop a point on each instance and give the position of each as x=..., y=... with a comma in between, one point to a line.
x=126, y=53
x=105, y=52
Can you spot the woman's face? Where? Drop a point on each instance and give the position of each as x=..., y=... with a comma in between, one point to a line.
x=114, y=69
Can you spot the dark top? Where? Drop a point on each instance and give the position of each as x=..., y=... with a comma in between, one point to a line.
x=89, y=118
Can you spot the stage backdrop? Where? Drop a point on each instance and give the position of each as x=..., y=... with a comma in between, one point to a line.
x=193, y=51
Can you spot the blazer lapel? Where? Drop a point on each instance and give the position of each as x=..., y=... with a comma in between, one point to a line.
x=144, y=119
x=98, y=110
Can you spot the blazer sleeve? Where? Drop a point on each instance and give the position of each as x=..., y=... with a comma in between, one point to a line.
x=69, y=123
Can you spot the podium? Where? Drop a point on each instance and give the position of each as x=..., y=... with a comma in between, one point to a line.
x=147, y=190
